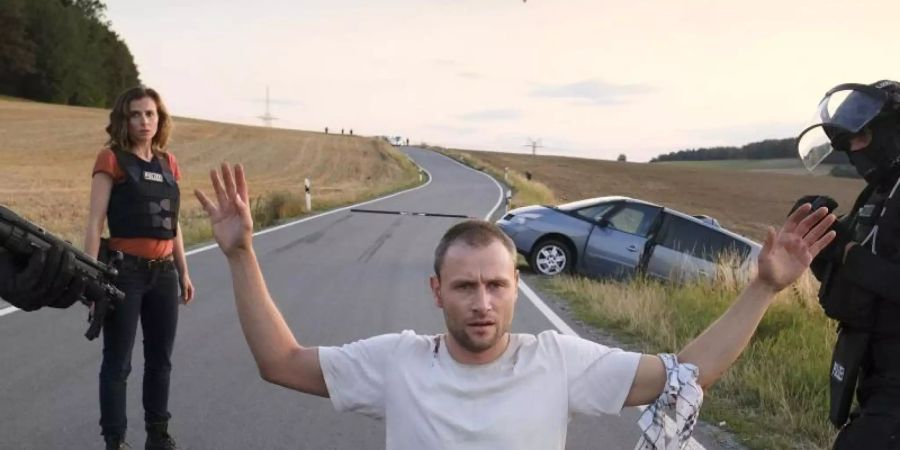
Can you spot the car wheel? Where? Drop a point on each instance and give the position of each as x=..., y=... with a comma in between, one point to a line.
x=551, y=257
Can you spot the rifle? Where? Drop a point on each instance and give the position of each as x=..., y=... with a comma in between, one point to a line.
x=22, y=238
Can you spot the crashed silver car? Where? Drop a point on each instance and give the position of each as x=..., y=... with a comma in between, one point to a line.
x=620, y=236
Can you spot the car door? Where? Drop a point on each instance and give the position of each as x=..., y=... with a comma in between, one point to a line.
x=676, y=253
x=617, y=240
x=685, y=249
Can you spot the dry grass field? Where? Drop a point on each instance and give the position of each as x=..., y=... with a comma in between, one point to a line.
x=47, y=153
x=743, y=201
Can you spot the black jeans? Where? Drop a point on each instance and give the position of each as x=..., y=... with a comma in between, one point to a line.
x=151, y=295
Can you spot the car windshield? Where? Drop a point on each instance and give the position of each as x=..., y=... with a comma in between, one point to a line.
x=595, y=212
x=584, y=203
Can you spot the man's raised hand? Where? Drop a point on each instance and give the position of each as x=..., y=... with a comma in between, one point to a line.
x=230, y=217
x=788, y=252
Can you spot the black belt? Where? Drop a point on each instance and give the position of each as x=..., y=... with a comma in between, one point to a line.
x=139, y=263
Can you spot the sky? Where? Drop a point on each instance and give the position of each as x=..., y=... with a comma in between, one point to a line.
x=588, y=78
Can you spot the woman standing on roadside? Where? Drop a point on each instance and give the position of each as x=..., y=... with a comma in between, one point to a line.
x=135, y=190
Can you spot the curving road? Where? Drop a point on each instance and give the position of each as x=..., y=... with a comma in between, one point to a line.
x=337, y=277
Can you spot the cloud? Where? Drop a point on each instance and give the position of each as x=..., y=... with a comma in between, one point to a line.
x=593, y=92
x=492, y=114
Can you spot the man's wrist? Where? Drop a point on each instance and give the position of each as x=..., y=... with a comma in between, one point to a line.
x=241, y=255
x=762, y=287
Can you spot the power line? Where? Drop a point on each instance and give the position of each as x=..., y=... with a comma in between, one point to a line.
x=534, y=144
x=267, y=118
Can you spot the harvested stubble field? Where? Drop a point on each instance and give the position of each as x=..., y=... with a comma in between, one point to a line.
x=743, y=201
x=47, y=153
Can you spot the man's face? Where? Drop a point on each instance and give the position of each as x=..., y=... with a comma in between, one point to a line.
x=477, y=290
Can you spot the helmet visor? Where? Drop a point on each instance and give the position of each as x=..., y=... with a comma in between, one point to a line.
x=844, y=111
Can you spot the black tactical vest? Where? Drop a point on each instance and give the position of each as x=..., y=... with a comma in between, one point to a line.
x=881, y=364
x=881, y=210
x=146, y=203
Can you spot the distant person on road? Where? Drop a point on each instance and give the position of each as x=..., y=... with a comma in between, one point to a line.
x=478, y=385
x=135, y=191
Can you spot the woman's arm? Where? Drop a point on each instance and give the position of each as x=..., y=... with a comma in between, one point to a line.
x=180, y=259
x=101, y=187
x=187, y=286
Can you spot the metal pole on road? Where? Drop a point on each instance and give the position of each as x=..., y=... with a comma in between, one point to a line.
x=308, y=195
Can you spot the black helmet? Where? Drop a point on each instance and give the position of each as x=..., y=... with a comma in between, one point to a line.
x=847, y=110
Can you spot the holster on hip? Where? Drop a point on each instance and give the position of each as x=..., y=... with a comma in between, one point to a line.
x=107, y=256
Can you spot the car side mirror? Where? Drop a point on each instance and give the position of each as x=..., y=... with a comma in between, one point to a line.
x=603, y=222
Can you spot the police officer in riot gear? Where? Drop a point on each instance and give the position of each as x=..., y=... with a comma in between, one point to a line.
x=860, y=272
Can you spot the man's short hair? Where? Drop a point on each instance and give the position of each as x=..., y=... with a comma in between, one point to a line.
x=474, y=233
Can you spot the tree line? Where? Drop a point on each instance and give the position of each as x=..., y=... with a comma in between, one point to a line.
x=767, y=149
x=62, y=51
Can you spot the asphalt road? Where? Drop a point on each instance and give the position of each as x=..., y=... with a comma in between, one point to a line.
x=336, y=277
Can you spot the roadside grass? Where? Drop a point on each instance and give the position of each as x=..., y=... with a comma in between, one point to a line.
x=280, y=206
x=525, y=192
x=775, y=395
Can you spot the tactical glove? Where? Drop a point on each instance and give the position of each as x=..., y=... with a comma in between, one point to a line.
x=833, y=253
x=47, y=279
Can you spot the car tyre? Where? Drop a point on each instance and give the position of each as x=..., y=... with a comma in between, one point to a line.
x=551, y=257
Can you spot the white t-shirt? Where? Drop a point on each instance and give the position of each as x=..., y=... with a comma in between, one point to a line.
x=523, y=400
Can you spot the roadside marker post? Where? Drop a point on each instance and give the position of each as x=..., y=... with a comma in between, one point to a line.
x=308, y=195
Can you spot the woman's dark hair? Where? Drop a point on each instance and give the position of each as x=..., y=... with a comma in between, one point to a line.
x=118, y=120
